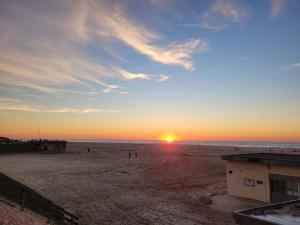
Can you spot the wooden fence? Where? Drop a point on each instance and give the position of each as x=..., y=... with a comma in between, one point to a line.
x=30, y=199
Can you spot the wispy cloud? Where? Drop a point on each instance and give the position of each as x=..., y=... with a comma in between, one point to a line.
x=113, y=22
x=297, y=65
x=44, y=49
x=15, y=104
x=291, y=67
x=107, y=87
x=5, y=99
x=80, y=111
x=10, y=104
x=276, y=7
x=124, y=92
x=33, y=57
x=130, y=76
x=107, y=90
x=223, y=12
x=163, y=78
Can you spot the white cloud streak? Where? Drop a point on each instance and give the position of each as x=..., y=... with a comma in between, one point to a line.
x=163, y=78
x=291, y=67
x=131, y=76
x=276, y=7
x=80, y=111
x=297, y=65
x=221, y=13
x=18, y=105
x=114, y=23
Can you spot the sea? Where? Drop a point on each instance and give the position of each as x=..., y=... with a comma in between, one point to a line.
x=268, y=144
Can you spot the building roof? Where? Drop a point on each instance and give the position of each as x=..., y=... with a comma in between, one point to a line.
x=285, y=213
x=265, y=158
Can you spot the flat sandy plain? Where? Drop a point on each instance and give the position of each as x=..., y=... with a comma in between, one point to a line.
x=165, y=184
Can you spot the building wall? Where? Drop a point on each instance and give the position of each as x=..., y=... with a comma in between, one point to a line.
x=238, y=186
x=53, y=146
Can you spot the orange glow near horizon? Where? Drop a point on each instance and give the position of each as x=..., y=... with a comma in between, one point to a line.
x=82, y=127
x=28, y=132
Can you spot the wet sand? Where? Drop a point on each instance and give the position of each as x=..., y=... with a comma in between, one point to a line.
x=165, y=184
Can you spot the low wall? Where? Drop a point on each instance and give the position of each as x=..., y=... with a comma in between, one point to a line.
x=33, y=146
x=30, y=199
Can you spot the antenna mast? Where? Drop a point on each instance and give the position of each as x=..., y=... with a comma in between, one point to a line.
x=38, y=131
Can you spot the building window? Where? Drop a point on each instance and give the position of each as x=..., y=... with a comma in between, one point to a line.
x=249, y=182
x=289, y=188
x=292, y=188
x=259, y=182
x=230, y=171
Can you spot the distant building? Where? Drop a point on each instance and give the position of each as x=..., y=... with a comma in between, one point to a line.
x=265, y=177
x=52, y=146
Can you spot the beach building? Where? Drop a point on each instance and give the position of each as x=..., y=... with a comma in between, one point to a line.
x=265, y=177
x=52, y=146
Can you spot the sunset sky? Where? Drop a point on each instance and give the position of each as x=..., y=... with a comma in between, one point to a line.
x=142, y=69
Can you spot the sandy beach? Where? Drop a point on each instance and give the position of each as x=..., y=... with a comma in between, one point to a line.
x=165, y=184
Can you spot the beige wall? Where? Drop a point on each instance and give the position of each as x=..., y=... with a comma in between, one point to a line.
x=242, y=170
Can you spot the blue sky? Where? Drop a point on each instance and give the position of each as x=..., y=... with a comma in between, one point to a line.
x=220, y=69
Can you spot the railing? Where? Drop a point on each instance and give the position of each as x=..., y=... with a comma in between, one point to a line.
x=30, y=199
x=249, y=216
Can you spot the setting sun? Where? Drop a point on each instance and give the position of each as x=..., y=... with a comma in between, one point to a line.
x=169, y=139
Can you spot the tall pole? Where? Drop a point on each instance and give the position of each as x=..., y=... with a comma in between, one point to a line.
x=38, y=131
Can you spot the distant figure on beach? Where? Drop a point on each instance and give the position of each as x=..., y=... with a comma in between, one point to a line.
x=88, y=150
x=136, y=155
x=129, y=155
